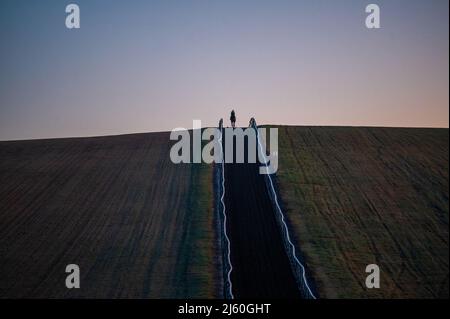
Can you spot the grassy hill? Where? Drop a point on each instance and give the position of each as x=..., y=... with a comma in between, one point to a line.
x=356, y=196
x=136, y=224
x=139, y=226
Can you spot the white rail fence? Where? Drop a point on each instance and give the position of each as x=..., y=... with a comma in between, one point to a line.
x=221, y=208
x=297, y=266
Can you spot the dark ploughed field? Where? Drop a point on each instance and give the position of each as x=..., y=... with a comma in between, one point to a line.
x=358, y=195
x=136, y=224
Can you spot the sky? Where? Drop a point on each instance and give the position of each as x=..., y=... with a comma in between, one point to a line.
x=143, y=66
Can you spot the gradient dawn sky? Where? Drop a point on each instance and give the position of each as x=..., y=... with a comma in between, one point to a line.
x=141, y=66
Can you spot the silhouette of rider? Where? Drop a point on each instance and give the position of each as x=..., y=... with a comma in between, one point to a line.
x=233, y=119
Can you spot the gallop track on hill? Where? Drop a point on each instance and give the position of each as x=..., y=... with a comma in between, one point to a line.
x=261, y=268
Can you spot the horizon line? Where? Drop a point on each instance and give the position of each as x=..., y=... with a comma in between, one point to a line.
x=204, y=127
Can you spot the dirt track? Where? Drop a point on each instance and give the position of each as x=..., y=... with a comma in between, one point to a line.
x=261, y=267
